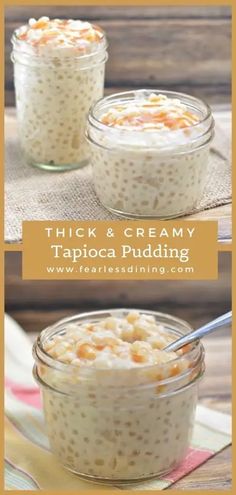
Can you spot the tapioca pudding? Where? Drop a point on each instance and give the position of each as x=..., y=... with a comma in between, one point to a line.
x=117, y=406
x=149, y=152
x=58, y=73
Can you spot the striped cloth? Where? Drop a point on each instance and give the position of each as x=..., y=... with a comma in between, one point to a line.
x=29, y=464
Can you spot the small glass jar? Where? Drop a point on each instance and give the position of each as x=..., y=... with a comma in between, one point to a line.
x=155, y=174
x=53, y=95
x=118, y=425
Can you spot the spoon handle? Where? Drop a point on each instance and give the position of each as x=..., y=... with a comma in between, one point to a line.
x=200, y=332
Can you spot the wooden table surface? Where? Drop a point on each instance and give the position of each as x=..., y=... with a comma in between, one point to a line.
x=36, y=304
x=221, y=213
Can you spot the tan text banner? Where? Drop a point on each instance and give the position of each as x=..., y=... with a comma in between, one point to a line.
x=120, y=250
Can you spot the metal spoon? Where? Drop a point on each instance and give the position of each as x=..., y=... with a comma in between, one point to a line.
x=200, y=332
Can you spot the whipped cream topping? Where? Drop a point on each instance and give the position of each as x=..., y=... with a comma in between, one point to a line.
x=47, y=34
x=155, y=112
x=116, y=342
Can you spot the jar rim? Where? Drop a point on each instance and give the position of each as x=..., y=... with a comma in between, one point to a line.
x=41, y=355
x=204, y=127
x=93, y=120
x=15, y=41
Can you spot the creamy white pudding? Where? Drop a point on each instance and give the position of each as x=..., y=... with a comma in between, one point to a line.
x=149, y=152
x=58, y=74
x=117, y=406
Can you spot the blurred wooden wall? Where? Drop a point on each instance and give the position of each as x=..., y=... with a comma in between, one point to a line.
x=181, y=48
x=36, y=304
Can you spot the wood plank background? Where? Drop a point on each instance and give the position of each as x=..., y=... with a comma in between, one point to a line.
x=36, y=304
x=181, y=48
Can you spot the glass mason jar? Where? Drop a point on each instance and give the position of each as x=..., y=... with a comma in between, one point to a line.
x=53, y=95
x=118, y=425
x=155, y=174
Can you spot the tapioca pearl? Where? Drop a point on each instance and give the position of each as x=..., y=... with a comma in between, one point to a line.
x=70, y=449
x=108, y=435
x=136, y=453
x=99, y=462
x=70, y=460
x=55, y=416
x=86, y=439
x=178, y=436
x=53, y=433
x=118, y=433
x=62, y=435
x=99, y=442
x=128, y=423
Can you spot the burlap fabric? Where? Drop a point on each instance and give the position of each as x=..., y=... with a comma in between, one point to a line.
x=33, y=194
